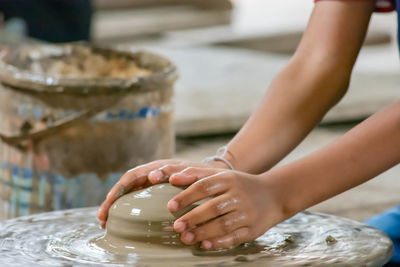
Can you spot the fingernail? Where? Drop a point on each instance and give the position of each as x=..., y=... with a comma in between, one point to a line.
x=188, y=237
x=156, y=175
x=206, y=244
x=173, y=205
x=179, y=226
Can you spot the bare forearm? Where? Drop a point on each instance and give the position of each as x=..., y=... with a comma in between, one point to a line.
x=364, y=152
x=315, y=79
x=294, y=104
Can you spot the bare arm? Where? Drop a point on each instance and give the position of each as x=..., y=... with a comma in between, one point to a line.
x=315, y=79
x=364, y=152
x=244, y=206
x=251, y=204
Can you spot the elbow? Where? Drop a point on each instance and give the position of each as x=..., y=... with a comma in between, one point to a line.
x=396, y=106
x=330, y=74
x=341, y=86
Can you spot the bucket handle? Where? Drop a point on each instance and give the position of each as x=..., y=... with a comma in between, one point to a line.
x=16, y=140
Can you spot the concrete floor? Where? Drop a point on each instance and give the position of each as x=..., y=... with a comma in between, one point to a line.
x=359, y=203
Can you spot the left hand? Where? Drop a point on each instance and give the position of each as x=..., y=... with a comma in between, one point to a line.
x=242, y=206
x=146, y=175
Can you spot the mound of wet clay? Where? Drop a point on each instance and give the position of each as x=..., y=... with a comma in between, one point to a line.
x=142, y=216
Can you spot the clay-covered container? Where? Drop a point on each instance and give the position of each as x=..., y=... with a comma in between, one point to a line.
x=74, y=117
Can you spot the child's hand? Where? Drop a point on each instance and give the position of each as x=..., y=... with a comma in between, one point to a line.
x=143, y=176
x=242, y=207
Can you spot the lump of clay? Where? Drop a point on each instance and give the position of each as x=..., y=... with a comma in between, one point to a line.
x=143, y=216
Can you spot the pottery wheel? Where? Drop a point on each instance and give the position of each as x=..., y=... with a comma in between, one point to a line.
x=65, y=238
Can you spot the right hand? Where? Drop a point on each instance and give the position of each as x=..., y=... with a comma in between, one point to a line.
x=146, y=175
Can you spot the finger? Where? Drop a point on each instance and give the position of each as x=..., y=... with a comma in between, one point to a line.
x=190, y=175
x=102, y=213
x=163, y=173
x=116, y=191
x=221, y=226
x=133, y=178
x=234, y=238
x=143, y=171
x=211, y=209
x=211, y=186
x=120, y=188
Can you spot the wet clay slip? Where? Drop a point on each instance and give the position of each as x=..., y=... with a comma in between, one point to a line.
x=139, y=233
x=142, y=217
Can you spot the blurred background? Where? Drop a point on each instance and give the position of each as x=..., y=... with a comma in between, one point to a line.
x=226, y=53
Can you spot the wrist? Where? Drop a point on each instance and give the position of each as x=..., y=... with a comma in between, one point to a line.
x=222, y=159
x=218, y=164
x=282, y=192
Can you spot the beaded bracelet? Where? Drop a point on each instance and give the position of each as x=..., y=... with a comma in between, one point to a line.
x=219, y=156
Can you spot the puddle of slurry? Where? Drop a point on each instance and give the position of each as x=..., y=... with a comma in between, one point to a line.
x=68, y=239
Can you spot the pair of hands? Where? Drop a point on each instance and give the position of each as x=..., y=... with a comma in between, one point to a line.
x=242, y=206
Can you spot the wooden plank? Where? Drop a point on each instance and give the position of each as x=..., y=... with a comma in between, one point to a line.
x=112, y=26
x=220, y=87
x=123, y=4
x=287, y=42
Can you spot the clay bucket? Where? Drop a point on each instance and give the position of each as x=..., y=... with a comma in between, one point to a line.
x=66, y=141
